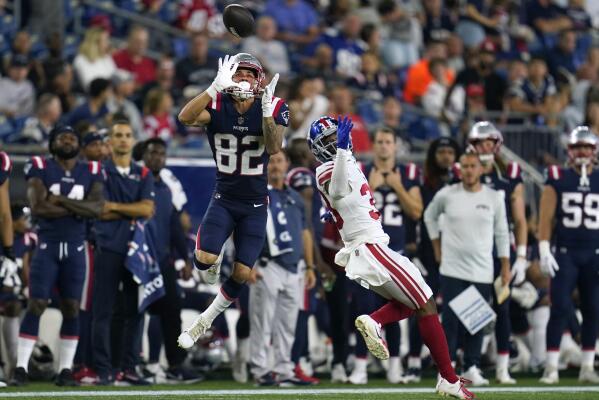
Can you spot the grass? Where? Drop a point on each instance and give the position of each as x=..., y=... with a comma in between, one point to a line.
x=377, y=389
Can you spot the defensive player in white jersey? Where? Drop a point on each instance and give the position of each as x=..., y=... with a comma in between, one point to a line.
x=367, y=258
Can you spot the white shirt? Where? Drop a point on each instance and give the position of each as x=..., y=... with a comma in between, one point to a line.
x=87, y=71
x=473, y=221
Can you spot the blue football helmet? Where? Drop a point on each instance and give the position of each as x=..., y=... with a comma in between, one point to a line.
x=320, y=130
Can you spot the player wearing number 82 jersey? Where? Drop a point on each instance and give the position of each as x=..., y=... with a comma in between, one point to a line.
x=243, y=130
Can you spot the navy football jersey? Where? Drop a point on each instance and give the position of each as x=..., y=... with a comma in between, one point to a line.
x=5, y=167
x=506, y=184
x=74, y=184
x=237, y=144
x=577, y=210
x=299, y=179
x=387, y=202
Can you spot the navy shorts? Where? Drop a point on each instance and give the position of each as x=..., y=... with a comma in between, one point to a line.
x=57, y=264
x=245, y=219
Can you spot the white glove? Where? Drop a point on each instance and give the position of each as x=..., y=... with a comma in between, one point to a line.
x=268, y=107
x=548, y=264
x=525, y=295
x=519, y=270
x=9, y=273
x=224, y=77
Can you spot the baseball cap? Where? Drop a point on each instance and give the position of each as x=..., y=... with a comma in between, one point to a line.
x=19, y=60
x=91, y=137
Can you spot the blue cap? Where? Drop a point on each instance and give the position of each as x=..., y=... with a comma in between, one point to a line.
x=91, y=137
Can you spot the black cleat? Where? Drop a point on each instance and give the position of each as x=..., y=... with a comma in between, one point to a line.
x=65, y=378
x=19, y=377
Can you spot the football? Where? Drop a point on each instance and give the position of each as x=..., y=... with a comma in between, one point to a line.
x=238, y=20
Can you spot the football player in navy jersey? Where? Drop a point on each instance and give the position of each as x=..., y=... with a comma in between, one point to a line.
x=63, y=193
x=486, y=140
x=396, y=189
x=569, y=214
x=242, y=132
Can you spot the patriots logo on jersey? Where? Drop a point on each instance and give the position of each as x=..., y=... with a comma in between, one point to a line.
x=285, y=116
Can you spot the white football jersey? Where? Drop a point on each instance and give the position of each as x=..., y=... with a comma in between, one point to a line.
x=356, y=215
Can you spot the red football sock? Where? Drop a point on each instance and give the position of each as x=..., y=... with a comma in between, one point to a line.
x=433, y=337
x=393, y=311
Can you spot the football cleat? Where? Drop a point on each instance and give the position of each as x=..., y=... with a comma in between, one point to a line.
x=189, y=336
x=502, y=375
x=338, y=374
x=588, y=375
x=359, y=376
x=475, y=376
x=371, y=332
x=550, y=376
x=394, y=371
x=412, y=375
x=457, y=389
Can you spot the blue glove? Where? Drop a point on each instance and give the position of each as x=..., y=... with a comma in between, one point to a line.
x=327, y=216
x=344, y=127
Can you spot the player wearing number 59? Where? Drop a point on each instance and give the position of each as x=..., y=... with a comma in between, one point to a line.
x=571, y=198
x=63, y=193
x=367, y=257
x=245, y=124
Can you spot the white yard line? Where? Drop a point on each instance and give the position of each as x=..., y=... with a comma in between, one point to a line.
x=303, y=392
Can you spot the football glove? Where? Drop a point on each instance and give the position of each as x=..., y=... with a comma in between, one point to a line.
x=224, y=77
x=268, y=106
x=9, y=273
x=519, y=270
x=327, y=216
x=344, y=127
x=525, y=295
x=548, y=264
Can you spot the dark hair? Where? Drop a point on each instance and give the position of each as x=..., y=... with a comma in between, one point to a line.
x=138, y=151
x=82, y=127
x=98, y=86
x=386, y=6
x=432, y=172
x=386, y=130
x=297, y=150
x=155, y=140
x=366, y=32
x=120, y=119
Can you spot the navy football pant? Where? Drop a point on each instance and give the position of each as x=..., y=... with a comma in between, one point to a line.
x=246, y=222
x=122, y=348
x=337, y=300
x=60, y=265
x=578, y=268
x=451, y=288
x=503, y=324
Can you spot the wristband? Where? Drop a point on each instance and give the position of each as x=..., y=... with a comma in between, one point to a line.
x=179, y=264
x=521, y=251
x=212, y=92
x=544, y=247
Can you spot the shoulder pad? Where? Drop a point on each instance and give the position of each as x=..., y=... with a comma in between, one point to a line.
x=38, y=162
x=513, y=170
x=411, y=171
x=456, y=170
x=554, y=172
x=324, y=172
x=5, y=163
x=94, y=167
x=216, y=104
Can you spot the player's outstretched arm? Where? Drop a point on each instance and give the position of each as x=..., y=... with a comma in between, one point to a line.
x=339, y=186
x=273, y=133
x=41, y=205
x=90, y=207
x=194, y=112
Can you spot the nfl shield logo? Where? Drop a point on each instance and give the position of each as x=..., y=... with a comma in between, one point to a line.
x=240, y=120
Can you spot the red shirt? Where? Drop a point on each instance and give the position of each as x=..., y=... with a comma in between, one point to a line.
x=144, y=71
x=360, y=138
x=162, y=126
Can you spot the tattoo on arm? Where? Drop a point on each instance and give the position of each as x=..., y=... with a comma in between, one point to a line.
x=273, y=135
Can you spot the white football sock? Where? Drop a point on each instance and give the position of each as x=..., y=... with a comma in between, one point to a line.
x=552, y=359
x=502, y=361
x=219, y=304
x=414, y=362
x=24, y=350
x=588, y=359
x=67, y=350
x=10, y=332
x=538, y=319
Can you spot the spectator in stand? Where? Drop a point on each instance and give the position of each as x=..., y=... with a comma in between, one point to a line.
x=481, y=71
x=455, y=53
x=21, y=46
x=194, y=15
x=536, y=93
x=123, y=87
x=165, y=80
x=297, y=21
x=133, y=58
x=271, y=52
x=159, y=40
x=306, y=104
x=342, y=103
x=401, y=32
x=547, y=19
x=592, y=117
x=563, y=57
x=198, y=67
x=434, y=98
x=438, y=22
x=581, y=20
x=158, y=121
x=419, y=76
x=38, y=127
x=371, y=36
x=59, y=75
x=322, y=64
x=346, y=47
x=391, y=117
x=94, y=60
x=476, y=20
x=95, y=109
x=371, y=81
x=18, y=94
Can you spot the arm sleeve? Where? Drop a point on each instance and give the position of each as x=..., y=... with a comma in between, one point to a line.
x=502, y=239
x=339, y=186
x=432, y=213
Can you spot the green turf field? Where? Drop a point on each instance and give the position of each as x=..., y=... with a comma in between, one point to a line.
x=527, y=389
